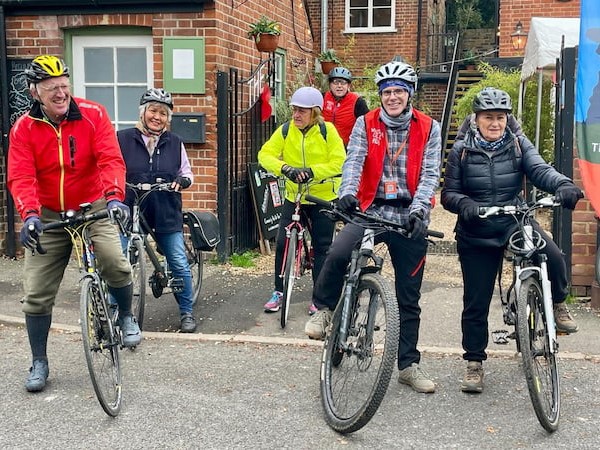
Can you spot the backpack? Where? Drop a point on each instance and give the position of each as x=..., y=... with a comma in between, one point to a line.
x=285, y=128
x=204, y=229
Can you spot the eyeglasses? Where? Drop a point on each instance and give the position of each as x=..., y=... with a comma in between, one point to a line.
x=56, y=88
x=395, y=92
x=339, y=82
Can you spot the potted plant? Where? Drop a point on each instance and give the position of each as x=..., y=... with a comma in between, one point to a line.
x=470, y=60
x=265, y=34
x=328, y=60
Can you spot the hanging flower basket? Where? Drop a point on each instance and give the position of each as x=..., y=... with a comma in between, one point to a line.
x=266, y=42
x=265, y=33
x=328, y=66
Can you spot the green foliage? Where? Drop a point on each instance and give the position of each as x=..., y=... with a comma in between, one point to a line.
x=366, y=86
x=468, y=14
x=509, y=81
x=246, y=259
x=264, y=25
x=329, y=55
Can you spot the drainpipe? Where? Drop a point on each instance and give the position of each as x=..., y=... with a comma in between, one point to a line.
x=5, y=112
x=419, y=23
x=324, y=14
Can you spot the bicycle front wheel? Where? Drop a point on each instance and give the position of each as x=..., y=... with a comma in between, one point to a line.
x=195, y=259
x=137, y=258
x=289, y=276
x=539, y=363
x=101, y=347
x=355, y=375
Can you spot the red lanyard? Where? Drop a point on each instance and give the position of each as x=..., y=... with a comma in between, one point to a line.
x=400, y=148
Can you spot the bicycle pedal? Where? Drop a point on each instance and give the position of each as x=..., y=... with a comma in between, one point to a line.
x=500, y=337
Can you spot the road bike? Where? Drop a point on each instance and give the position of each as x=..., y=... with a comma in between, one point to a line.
x=361, y=344
x=139, y=246
x=528, y=307
x=99, y=323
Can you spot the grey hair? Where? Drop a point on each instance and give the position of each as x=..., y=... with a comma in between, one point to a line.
x=142, y=109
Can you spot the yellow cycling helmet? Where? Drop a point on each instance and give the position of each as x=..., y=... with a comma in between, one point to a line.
x=44, y=67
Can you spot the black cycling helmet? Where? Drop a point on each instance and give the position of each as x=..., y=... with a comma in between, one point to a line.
x=492, y=99
x=157, y=95
x=340, y=72
x=44, y=67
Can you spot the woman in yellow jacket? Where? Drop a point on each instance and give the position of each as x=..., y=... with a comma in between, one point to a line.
x=306, y=149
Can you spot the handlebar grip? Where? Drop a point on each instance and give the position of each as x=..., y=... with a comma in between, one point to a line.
x=435, y=234
x=319, y=201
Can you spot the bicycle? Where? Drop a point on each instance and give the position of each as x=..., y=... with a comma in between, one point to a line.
x=298, y=255
x=99, y=323
x=138, y=245
x=528, y=307
x=361, y=345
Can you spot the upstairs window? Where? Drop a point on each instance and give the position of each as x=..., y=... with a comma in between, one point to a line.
x=370, y=16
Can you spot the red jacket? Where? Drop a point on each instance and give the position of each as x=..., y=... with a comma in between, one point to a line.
x=341, y=113
x=420, y=127
x=60, y=168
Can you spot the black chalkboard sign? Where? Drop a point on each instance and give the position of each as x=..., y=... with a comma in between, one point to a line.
x=268, y=198
x=19, y=100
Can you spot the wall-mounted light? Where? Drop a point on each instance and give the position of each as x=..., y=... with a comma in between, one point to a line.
x=518, y=37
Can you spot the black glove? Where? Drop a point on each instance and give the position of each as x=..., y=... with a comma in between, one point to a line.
x=416, y=225
x=30, y=232
x=291, y=172
x=468, y=210
x=568, y=195
x=184, y=182
x=348, y=203
x=116, y=210
x=306, y=174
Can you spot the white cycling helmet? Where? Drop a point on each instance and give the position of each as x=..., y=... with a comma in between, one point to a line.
x=307, y=97
x=396, y=70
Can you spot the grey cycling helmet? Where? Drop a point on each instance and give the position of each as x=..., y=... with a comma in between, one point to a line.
x=396, y=70
x=157, y=95
x=307, y=97
x=492, y=99
x=340, y=72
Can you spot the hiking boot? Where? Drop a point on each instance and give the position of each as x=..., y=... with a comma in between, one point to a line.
x=312, y=309
x=274, y=303
x=473, y=379
x=316, y=327
x=38, y=374
x=130, y=330
x=188, y=323
x=564, y=320
x=416, y=378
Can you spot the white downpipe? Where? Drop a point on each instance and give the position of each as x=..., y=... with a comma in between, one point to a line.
x=324, y=14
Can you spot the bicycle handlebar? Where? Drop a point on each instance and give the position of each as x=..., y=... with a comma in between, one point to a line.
x=347, y=217
x=513, y=210
x=146, y=187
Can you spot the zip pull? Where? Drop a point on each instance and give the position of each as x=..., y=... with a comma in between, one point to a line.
x=72, y=149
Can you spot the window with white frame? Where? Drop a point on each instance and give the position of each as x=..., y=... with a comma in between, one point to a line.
x=114, y=71
x=370, y=16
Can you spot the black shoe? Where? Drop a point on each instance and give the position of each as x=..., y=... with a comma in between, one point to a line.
x=38, y=374
x=188, y=323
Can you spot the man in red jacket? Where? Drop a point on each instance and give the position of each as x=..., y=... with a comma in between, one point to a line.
x=63, y=153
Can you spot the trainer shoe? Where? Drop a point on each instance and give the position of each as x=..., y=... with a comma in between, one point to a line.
x=130, y=330
x=473, y=379
x=188, y=323
x=38, y=374
x=316, y=327
x=274, y=303
x=312, y=309
x=564, y=320
x=416, y=378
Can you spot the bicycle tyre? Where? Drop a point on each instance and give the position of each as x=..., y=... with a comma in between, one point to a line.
x=101, y=347
x=289, y=276
x=354, y=382
x=195, y=260
x=539, y=364
x=137, y=258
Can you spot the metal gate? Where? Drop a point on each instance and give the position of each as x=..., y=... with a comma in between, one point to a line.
x=240, y=135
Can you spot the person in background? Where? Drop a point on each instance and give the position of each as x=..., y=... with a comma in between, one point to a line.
x=152, y=153
x=487, y=168
x=392, y=170
x=64, y=153
x=304, y=155
x=342, y=107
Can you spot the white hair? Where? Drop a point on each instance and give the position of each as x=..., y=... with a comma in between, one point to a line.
x=142, y=109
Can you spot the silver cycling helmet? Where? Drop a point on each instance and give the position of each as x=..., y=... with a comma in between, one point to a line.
x=157, y=95
x=307, y=97
x=340, y=72
x=396, y=70
x=492, y=99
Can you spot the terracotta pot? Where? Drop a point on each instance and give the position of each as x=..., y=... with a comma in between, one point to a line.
x=327, y=66
x=266, y=42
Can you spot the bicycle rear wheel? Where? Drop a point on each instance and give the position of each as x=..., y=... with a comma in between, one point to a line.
x=196, y=262
x=539, y=363
x=289, y=276
x=101, y=347
x=354, y=380
x=137, y=258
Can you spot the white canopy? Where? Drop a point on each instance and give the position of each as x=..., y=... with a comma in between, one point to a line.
x=544, y=42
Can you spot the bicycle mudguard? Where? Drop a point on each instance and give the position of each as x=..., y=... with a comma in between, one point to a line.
x=204, y=229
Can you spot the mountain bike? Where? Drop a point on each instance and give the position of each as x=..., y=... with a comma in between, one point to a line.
x=99, y=323
x=528, y=307
x=139, y=247
x=361, y=345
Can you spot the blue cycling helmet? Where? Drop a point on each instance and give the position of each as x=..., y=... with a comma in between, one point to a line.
x=340, y=72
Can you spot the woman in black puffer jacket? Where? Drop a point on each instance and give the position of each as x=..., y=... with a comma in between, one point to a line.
x=488, y=167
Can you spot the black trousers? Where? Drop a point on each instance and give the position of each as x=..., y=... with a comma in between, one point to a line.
x=479, y=269
x=321, y=234
x=408, y=259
